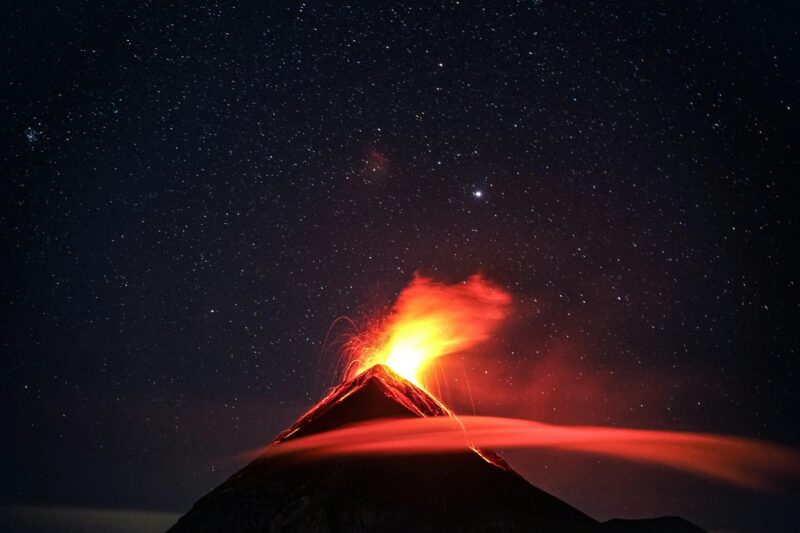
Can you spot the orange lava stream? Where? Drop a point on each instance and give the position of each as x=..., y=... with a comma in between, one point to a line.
x=430, y=320
x=742, y=461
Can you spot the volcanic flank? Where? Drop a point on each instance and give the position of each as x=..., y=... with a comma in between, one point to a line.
x=471, y=490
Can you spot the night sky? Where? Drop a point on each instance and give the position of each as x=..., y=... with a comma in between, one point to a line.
x=192, y=194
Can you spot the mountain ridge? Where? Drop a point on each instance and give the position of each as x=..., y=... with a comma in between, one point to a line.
x=471, y=490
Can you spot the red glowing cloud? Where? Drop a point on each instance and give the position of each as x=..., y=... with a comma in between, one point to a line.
x=747, y=462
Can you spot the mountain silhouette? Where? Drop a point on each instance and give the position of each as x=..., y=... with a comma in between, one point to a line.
x=469, y=491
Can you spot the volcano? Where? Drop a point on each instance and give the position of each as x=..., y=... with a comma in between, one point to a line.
x=472, y=490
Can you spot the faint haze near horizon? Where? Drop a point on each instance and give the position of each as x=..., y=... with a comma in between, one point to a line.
x=65, y=519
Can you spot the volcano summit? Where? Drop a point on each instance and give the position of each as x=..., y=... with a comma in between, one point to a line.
x=471, y=490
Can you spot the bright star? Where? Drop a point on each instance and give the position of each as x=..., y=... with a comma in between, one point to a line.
x=478, y=194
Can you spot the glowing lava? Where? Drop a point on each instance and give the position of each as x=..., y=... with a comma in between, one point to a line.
x=430, y=320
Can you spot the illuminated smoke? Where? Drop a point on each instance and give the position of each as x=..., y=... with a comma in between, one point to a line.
x=430, y=320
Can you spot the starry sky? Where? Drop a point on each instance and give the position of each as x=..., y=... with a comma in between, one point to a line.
x=193, y=192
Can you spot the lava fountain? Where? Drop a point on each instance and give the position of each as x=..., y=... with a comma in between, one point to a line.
x=430, y=320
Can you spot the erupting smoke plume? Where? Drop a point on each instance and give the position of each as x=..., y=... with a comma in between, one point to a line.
x=430, y=320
